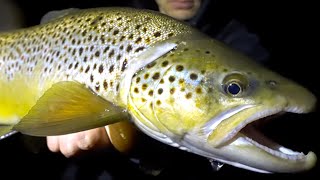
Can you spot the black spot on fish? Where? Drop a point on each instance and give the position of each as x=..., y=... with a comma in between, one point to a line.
x=102, y=39
x=105, y=84
x=189, y=95
x=76, y=65
x=172, y=90
x=138, y=26
x=179, y=68
x=129, y=48
x=138, y=80
x=124, y=65
x=122, y=38
x=139, y=49
x=106, y=49
x=156, y=76
x=144, y=29
x=118, y=57
x=117, y=87
x=111, y=54
x=91, y=48
x=198, y=90
x=144, y=86
x=91, y=78
x=157, y=34
x=170, y=34
x=97, y=54
x=171, y=78
x=80, y=51
x=136, y=90
x=150, y=93
x=158, y=102
x=100, y=68
x=160, y=91
x=111, y=68
x=138, y=40
x=193, y=76
x=97, y=86
x=146, y=76
x=115, y=32
x=164, y=63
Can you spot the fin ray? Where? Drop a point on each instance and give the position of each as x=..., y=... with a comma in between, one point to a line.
x=69, y=107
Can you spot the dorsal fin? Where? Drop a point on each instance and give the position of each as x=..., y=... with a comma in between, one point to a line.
x=52, y=15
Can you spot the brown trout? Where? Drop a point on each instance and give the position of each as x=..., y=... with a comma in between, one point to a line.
x=82, y=69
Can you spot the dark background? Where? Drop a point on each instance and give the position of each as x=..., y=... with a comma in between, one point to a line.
x=288, y=31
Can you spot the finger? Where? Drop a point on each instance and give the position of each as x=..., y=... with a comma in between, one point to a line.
x=93, y=139
x=68, y=144
x=53, y=143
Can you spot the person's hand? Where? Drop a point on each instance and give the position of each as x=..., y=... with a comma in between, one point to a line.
x=120, y=136
x=74, y=144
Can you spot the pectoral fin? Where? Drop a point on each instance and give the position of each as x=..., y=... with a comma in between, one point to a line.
x=68, y=107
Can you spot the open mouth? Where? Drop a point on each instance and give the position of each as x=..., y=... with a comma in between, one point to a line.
x=255, y=134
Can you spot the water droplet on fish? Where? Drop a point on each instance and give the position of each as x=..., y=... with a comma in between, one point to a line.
x=216, y=165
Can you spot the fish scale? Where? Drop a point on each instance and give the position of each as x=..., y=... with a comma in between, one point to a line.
x=93, y=48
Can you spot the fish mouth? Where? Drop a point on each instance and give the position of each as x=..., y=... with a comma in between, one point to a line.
x=253, y=133
x=247, y=146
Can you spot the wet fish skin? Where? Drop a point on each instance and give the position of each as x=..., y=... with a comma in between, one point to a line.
x=179, y=86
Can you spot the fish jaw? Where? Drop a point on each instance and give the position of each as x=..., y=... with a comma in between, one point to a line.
x=245, y=153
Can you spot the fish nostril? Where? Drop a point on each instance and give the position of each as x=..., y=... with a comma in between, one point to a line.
x=272, y=84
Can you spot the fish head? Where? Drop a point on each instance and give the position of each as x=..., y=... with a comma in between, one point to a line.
x=204, y=97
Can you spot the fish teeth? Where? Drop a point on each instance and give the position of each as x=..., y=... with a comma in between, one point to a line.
x=298, y=156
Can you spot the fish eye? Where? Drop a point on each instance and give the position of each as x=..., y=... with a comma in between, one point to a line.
x=235, y=84
x=233, y=88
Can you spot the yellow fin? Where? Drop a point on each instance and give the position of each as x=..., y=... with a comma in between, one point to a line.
x=68, y=107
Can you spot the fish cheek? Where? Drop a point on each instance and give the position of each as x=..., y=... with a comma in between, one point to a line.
x=182, y=111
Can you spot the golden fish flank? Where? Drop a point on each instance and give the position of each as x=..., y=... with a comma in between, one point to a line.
x=176, y=84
